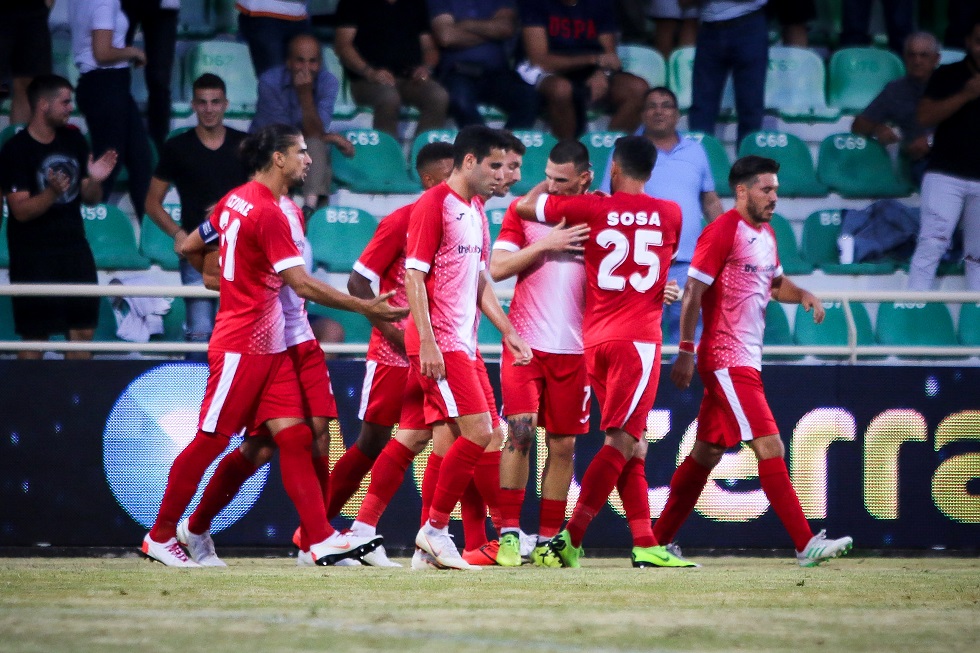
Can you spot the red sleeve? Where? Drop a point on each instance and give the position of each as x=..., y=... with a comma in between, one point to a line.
x=386, y=245
x=276, y=241
x=576, y=209
x=425, y=230
x=512, y=229
x=712, y=250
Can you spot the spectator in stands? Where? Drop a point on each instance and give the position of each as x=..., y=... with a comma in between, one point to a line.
x=25, y=50
x=895, y=107
x=681, y=174
x=302, y=93
x=474, y=62
x=951, y=185
x=203, y=164
x=733, y=38
x=158, y=20
x=673, y=27
x=98, y=43
x=387, y=49
x=46, y=172
x=793, y=16
x=856, y=22
x=268, y=26
x=571, y=57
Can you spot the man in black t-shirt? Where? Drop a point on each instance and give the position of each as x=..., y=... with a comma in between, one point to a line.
x=390, y=55
x=951, y=185
x=203, y=164
x=46, y=172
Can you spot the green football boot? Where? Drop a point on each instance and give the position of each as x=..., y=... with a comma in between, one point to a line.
x=509, y=553
x=561, y=546
x=658, y=556
x=543, y=556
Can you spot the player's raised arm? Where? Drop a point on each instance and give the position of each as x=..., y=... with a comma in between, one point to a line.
x=683, y=370
x=505, y=264
x=526, y=207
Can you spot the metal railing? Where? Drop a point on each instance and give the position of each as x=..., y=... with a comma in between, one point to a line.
x=852, y=350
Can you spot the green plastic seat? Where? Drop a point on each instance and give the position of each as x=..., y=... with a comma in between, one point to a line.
x=4, y=247
x=9, y=131
x=717, y=159
x=105, y=330
x=495, y=218
x=833, y=330
x=357, y=329
x=795, y=85
x=680, y=72
x=487, y=333
x=855, y=166
x=158, y=246
x=644, y=62
x=338, y=235
x=230, y=61
x=538, y=144
x=819, y=246
x=777, y=332
x=7, y=319
x=423, y=139
x=344, y=108
x=789, y=253
x=112, y=239
x=197, y=19
x=968, y=332
x=928, y=324
x=857, y=76
x=174, y=322
x=600, y=146
x=377, y=167
x=797, y=177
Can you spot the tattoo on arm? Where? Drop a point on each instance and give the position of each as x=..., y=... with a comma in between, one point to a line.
x=521, y=435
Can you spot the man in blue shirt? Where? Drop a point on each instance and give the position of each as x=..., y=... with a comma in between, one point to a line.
x=474, y=37
x=302, y=93
x=682, y=174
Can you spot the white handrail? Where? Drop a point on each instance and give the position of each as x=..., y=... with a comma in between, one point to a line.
x=852, y=350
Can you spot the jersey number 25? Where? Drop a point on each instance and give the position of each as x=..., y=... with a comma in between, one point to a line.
x=643, y=255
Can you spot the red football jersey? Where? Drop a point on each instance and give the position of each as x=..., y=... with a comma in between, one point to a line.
x=632, y=241
x=256, y=245
x=383, y=261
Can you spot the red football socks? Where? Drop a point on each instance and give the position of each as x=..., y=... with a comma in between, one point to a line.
x=599, y=480
x=347, y=476
x=510, y=502
x=456, y=473
x=774, y=478
x=299, y=478
x=487, y=479
x=386, y=477
x=632, y=486
x=474, y=513
x=231, y=473
x=185, y=475
x=552, y=517
x=686, y=486
x=430, y=479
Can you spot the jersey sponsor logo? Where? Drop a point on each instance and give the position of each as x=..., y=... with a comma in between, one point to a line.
x=753, y=269
x=627, y=218
x=238, y=205
x=469, y=249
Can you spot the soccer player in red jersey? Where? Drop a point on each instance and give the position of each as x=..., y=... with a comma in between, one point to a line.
x=632, y=239
x=734, y=272
x=252, y=382
x=547, y=311
x=448, y=250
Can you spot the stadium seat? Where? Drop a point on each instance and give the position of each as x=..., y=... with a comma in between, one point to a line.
x=857, y=75
x=9, y=131
x=789, y=253
x=538, y=144
x=174, y=322
x=833, y=330
x=680, y=70
x=797, y=177
x=423, y=139
x=7, y=319
x=717, y=159
x=819, y=246
x=777, y=331
x=643, y=62
x=62, y=59
x=357, y=329
x=915, y=324
x=111, y=236
x=377, y=167
x=344, y=108
x=600, y=146
x=231, y=61
x=158, y=246
x=197, y=19
x=4, y=247
x=495, y=218
x=105, y=331
x=968, y=332
x=487, y=333
x=338, y=235
x=795, y=85
x=855, y=166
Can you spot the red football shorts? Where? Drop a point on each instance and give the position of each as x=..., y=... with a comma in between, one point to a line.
x=412, y=416
x=314, y=379
x=624, y=377
x=734, y=407
x=553, y=386
x=488, y=390
x=461, y=392
x=246, y=390
x=381, y=393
